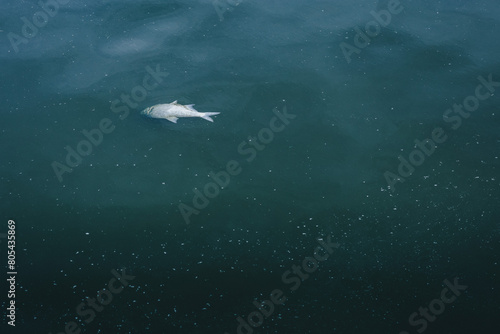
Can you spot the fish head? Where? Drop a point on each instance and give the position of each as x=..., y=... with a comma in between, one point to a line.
x=147, y=111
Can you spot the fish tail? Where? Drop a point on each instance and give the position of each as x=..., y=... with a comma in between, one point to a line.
x=206, y=115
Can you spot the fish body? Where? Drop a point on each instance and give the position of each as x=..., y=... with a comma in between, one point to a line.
x=173, y=111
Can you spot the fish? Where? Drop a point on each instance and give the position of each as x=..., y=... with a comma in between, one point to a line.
x=173, y=111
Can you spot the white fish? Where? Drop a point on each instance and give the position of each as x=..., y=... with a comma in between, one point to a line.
x=173, y=111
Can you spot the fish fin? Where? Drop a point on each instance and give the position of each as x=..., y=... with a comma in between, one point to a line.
x=190, y=107
x=174, y=102
x=172, y=119
x=206, y=115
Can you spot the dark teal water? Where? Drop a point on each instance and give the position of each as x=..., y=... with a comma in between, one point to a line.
x=357, y=112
